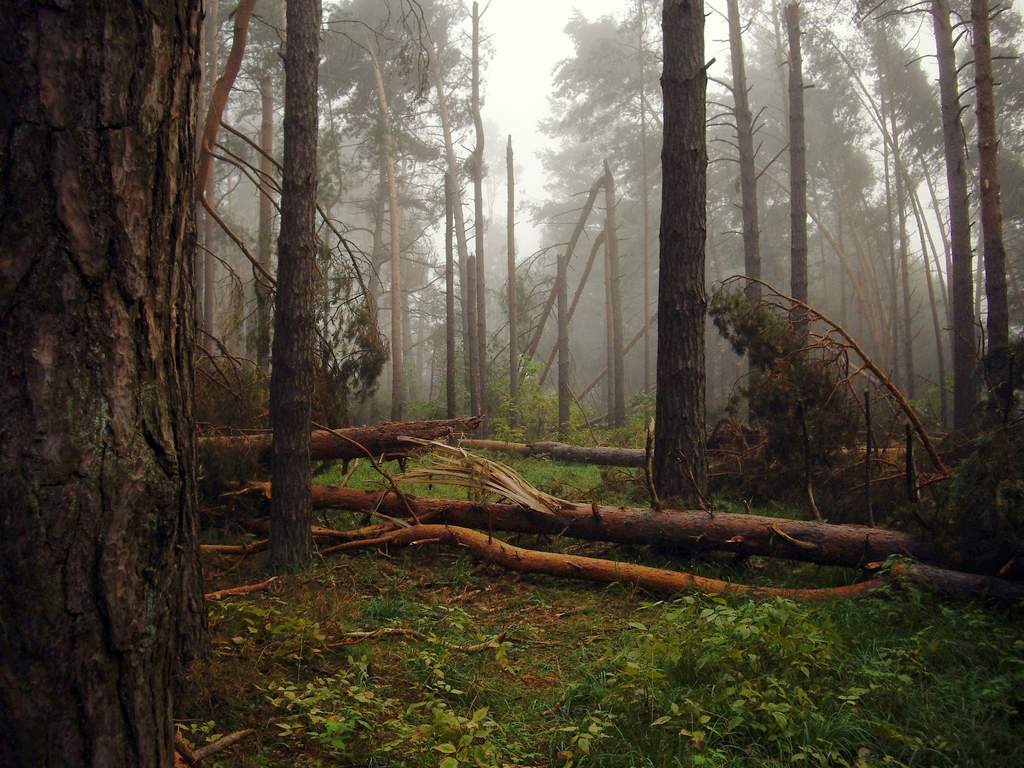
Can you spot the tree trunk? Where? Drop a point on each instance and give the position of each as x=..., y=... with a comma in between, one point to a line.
x=581, y=222
x=632, y=343
x=617, y=411
x=997, y=321
x=745, y=142
x=211, y=30
x=468, y=308
x=563, y=346
x=852, y=546
x=102, y=599
x=513, y=307
x=612, y=457
x=946, y=250
x=797, y=159
x=449, y=298
x=926, y=240
x=471, y=342
x=394, y=219
x=680, y=462
x=965, y=386
x=353, y=442
x=291, y=381
x=478, y=219
x=266, y=224
x=645, y=196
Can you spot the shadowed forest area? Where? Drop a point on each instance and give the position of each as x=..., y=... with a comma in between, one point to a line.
x=505, y=385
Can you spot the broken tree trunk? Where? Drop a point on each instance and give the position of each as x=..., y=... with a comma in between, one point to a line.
x=614, y=457
x=824, y=543
x=381, y=439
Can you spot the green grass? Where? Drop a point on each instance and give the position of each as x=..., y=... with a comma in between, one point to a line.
x=576, y=674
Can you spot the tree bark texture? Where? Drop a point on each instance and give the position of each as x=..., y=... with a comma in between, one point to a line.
x=449, y=298
x=745, y=141
x=797, y=160
x=997, y=322
x=102, y=595
x=680, y=462
x=617, y=410
x=513, y=304
x=291, y=381
x=479, y=226
x=264, y=298
x=965, y=385
x=380, y=439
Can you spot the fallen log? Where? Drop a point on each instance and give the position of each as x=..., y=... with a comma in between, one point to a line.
x=697, y=531
x=351, y=443
x=615, y=457
x=489, y=549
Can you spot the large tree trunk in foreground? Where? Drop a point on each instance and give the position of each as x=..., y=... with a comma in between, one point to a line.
x=101, y=598
x=680, y=463
x=745, y=142
x=614, y=457
x=997, y=322
x=692, y=530
x=291, y=381
x=328, y=446
x=965, y=385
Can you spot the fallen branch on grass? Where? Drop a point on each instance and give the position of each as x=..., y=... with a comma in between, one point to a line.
x=246, y=589
x=194, y=759
x=615, y=457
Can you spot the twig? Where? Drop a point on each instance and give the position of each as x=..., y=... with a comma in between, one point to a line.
x=224, y=743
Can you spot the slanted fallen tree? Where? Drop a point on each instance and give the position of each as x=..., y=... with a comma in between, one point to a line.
x=696, y=531
x=615, y=457
x=343, y=444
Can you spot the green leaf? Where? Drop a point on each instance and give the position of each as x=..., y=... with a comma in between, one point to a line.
x=445, y=749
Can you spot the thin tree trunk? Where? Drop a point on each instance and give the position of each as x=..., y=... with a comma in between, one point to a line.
x=266, y=224
x=944, y=276
x=473, y=347
x=997, y=321
x=894, y=325
x=449, y=297
x=102, y=598
x=965, y=386
x=394, y=219
x=563, y=346
x=645, y=196
x=211, y=29
x=797, y=159
x=513, y=313
x=291, y=380
x=617, y=411
x=609, y=337
x=901, y=217
x=745, y=142
x=478, y=218
x=680, y=462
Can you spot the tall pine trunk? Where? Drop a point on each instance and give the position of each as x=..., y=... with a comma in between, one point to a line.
x=645, y=196
x=211, y=29
x=997, y=322
x=478, y=219
x=513, y=313
x=745, y=142
x=449, y=298
x=965, y=384
x=680, y=461
x=291, y=380
x=266, y=223
x=102, y=595
x=797, y=159
x=617, y=411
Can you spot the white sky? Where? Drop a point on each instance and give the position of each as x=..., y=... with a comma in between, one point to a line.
x=529, y=40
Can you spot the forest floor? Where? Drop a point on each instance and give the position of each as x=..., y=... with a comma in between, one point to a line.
x=475, y=666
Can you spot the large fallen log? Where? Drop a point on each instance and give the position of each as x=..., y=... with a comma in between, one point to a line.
x=825, y=543
x=615, y=457
x=351, y=443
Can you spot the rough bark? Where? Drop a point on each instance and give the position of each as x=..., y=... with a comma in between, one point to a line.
x=449, y=298
x=291, y=381
x=264, y=299
x=513, y=305
x=997, y=321
x=614, y=457
x=101, y=597
x=692, y=530
x=325, y=446
x=745, y=142
x=680, y=462
x=965, y=385
x=797, y=159
x=478, y=217
x=617, y=410
x=581, y=222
